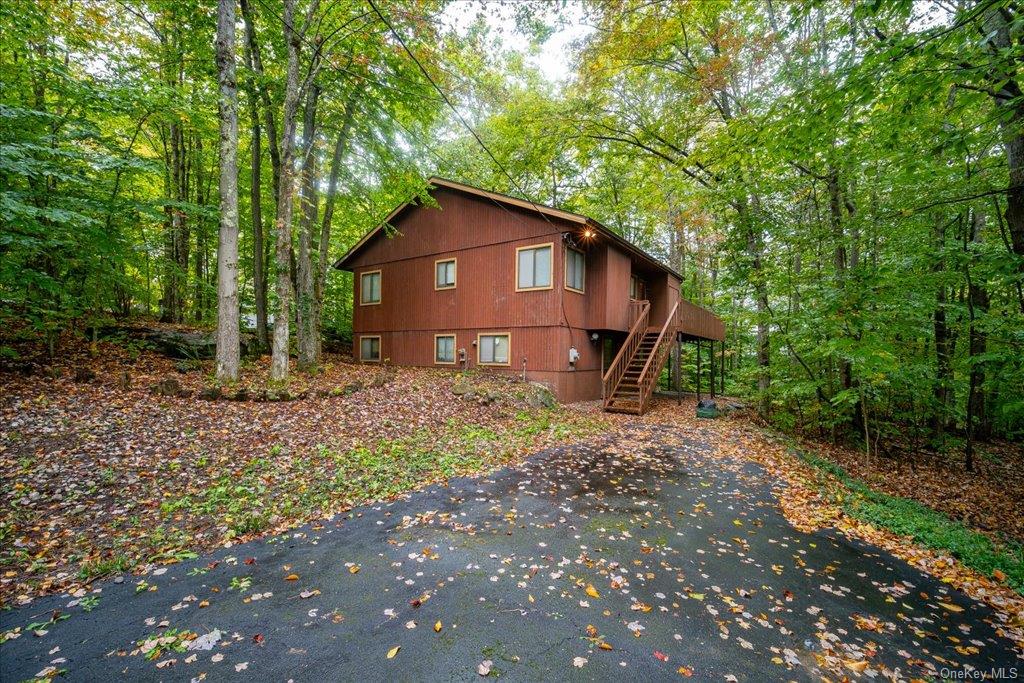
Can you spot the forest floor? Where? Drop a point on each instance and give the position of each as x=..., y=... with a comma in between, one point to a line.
x=101, y=479
x=663, y=549
x=105, y=478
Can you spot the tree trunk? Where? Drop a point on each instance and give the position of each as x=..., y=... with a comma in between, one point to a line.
x=283, y=221
x=177, y=242
x=978, y=425
x=305, y=315
x=323, y=261
x=268, y=110
x=259, y=260
x=755, y=251
x=942, y=345
x=998, y=23
x=227, y=247
x=838, y=254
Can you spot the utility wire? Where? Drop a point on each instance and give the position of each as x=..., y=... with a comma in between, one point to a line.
x=461, y=118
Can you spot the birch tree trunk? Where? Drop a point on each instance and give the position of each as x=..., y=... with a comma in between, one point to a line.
x=283, y=222
x=227, y=246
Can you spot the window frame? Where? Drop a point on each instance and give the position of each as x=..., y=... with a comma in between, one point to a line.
x=455, y=348
x=551, y=283
x=583, y=267
x=635, y=290
x=455, y=276
x=380, y=349
x=380, y=294
x=480, y=346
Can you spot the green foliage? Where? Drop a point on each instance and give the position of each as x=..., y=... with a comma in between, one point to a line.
x=927, y=527
x=817, y=184
x=808, y=178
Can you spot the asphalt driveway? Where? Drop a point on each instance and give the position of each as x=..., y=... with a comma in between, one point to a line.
x=609, y=561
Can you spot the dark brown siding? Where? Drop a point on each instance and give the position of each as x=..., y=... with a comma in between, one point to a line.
x=483, y=236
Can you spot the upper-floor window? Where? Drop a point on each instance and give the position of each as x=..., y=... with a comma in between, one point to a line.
x=636, y=288
x=444, y=274
x=533, y=267
x=369, y=288
x=575, y=270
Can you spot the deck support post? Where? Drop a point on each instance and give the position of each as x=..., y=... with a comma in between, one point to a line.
x=722, y=373
x=711, y=344
x=679, y=371
x=698, y=372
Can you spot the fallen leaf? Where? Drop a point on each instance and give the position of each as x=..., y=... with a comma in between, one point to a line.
x=856, y=666
x=394, y=651
x=592, y=592
x=484, y=667
x=437, y=626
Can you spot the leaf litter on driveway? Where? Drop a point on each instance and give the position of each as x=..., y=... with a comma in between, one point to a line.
x=659, y=551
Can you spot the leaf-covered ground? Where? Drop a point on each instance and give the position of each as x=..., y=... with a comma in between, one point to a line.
x=668, y=548
x=100, y=479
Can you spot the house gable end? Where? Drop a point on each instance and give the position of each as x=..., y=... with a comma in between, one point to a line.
x=459, y=222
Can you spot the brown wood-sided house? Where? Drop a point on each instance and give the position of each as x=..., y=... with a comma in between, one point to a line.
x=485, y=280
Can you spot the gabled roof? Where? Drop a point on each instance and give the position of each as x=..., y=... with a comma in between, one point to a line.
x=343, y=262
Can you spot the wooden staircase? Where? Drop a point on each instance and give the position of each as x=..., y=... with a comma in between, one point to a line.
x=630, y=380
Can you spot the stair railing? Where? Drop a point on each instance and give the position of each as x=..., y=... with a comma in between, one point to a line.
x=636, y=306
x=656, y=361
x=617, y=369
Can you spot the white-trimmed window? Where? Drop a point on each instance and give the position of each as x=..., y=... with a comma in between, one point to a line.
x=444, y=274
x=369, y=349
x=533, y=267
x=369, y=288
x=492, y=349
x=444, y=349
x=575, y=269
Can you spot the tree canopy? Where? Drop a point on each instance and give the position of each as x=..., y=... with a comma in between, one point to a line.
x=842, y=182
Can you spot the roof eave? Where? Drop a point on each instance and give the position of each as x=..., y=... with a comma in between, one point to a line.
x=436, y=181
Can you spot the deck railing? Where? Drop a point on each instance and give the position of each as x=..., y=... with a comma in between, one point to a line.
x=637, y=329
x=655, y=361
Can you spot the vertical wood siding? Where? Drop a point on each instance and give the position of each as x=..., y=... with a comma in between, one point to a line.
x=483, y=237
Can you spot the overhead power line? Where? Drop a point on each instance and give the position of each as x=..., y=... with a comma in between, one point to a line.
x=454, y=109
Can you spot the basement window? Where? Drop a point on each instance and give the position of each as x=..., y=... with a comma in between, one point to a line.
x=444, y=349
x=369, y=349
x=492, y=349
